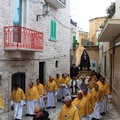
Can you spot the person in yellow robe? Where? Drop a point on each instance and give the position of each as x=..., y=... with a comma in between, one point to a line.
x=1, y=104
x=41, y=92
x=104, y=87
x=89, y=99
x=64, y=87
x=68, y=76
x=68, y=111
x=17, y=98
x=58, y=82
x=96, y=99
x=92, y=80
x=32, y=97
x=81, y=104
x=51, y=90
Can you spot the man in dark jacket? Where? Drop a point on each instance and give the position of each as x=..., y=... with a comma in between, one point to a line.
x=40, y=114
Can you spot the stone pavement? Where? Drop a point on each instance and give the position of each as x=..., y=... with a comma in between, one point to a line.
x=111, y=115
x=53, y=113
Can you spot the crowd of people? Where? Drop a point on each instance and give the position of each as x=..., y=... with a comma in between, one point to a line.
x=89, y=95
x=85, y=97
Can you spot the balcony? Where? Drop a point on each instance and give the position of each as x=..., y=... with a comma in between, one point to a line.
x=22, y=39
x=86, y=42
x=59, y=4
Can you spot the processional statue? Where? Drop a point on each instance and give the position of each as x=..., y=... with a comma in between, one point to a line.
x=85, y=61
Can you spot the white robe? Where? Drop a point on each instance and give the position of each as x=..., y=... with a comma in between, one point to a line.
x=59, y=96
x=1, y=110
x=79, y=83
x=96, y=112
x=50, y=99
x=41, y=102
x=63, y=92
x=31, y=104
x=84, y=118
x=18, y=108
x=104, y=105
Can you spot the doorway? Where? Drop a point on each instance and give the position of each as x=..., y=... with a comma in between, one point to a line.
x=41, y=72
x=19, y=78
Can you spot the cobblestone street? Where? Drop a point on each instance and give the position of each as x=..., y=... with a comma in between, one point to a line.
x=111, y=115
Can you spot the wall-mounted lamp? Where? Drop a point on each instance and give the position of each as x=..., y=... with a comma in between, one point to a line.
x=46, y=10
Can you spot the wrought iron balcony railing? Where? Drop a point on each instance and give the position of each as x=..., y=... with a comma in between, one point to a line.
x=21, y=38
x=63, y=1
x=59, y=4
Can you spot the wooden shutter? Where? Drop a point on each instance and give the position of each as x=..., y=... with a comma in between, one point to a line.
x=74, y=41
x=53, y=30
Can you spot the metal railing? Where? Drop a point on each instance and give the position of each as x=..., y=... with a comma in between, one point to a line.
x=17, y=37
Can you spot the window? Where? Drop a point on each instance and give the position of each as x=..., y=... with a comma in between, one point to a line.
x=17, y=20
x=74, y=41
x=93, y=65
x=56, y=63
x=88, y=43
x=99, y=44
x=17, y=13
x=53, y=30
x=98, y=35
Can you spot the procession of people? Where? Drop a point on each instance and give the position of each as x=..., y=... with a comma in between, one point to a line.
x=89, y=95
x=84, y=97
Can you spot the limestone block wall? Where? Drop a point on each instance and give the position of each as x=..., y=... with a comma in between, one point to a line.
x=95, y=24
x=54, y=50
x=115, y=65
x=116, y=79
x=29, y=62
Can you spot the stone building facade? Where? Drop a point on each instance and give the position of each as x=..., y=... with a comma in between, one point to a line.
x=25, y=65
x=73, y=45
x=94, y=28
x=88, y=41
x=111, y=54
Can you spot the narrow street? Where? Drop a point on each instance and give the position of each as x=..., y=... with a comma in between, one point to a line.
x=50, y=49
x=111, y=115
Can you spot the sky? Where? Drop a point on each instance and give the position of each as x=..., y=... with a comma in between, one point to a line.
x=82, y=11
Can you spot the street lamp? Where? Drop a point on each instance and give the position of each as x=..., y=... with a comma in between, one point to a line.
x=46, y=10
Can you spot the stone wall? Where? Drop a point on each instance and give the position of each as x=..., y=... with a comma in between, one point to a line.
x=95, y=24
x=116, y=79
x=29, y=61
x=113, y=75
